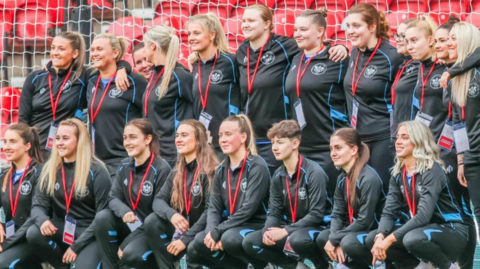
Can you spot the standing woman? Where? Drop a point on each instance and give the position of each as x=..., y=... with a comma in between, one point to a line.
x=435, y=232
x=238, y=200
x=405, y=81
x=110, y=108
x=18, y=183
x=138, y=179
x=143, y=67
x=168, y=98
x=358, y=202
x=315, y=88
x=216, y=92
x=181, y=206
x=73, y=188
x=59, y=91
x=372, y=69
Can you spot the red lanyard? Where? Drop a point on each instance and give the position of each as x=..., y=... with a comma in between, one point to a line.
x=411, y=205
x=350, y=209
x=188, y=198
x=463, y=112
x=355, y=85
x=54, y=103
x=232, y=203
x=150, y=89
x=397, y=79
x=139, y=193
x=95, y=113
x=250, y=81
x=68, y=199
x=424, y=81
x=300, y=72
x=12, y=204
x=293, y=208
x=204, y=99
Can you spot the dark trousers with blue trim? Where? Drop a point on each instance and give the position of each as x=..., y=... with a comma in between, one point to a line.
x=440, y=244
x=303, y=241
x=19, y=256
x=357, y=254
x=381, y=159
x=264, y=149
x=112, y=233
x=233, y=254
x=160, y=234
x=50, y=249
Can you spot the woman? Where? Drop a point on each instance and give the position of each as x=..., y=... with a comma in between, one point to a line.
x=138, y=179
x=216, y=92
x=372, y=69
x=435, y=231
x=358, y=202
x=405, y=81
x=264, y=60
x=109, y=114
x=237, y=199
x=314, y=86
x=181, y=206
x=143, y=67
x=18, y=183
x=73, y=188
x=294, y=219
x=172, y=84
x=58, y=92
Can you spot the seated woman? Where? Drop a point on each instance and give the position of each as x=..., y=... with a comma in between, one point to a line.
x=435, y=231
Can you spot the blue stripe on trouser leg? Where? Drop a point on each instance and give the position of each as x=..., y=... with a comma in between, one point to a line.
x=244, y=232
x=428, y=233
x=361, y=238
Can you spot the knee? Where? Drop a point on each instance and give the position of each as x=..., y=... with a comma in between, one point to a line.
x=352, y=243
x=197, y=245
x=34, y=236
x=252, y=242
x=104, y=217
x=232, y=240
x=132, y=258
x=322, y=239
x=301, y=240
x=151, y=223
x=412, y=241
x=370, y=240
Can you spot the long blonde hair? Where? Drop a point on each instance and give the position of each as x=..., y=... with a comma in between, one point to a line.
x=245, y=127
x=84, y=158
x=211, y=23
x=426, y=151
x=117, y=42
x=468, y=40
x=428, y=26
x=167, y=43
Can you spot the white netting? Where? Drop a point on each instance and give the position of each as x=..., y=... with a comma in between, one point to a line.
x=27, y=26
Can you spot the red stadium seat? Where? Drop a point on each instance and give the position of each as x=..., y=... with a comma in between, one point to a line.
x=183, y=53
x=473, y=18
x=379, y=4
x=396, y=18
x=284, y=24
x=31, y=26
x=129, y=27
x=179, y=9
x=334, y=22
x=9, y=102
x=242, y=4
x=222, y=8
x=165, y=19
x=440, y=10
x=101, y=4
x=294, y=5
x=333, y=5
x=409, y=6
x=129, y=58
x=234, y=33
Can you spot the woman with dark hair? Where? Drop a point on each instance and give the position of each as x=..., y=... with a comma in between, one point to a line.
x=18, y=183
x=238, y=198
x=180, y=208
x=435, y=231
x=137, y=181
x=372, y=69
x=358, y=202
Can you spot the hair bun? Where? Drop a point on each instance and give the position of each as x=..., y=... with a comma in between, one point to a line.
x=453, y=19
x=323, y=11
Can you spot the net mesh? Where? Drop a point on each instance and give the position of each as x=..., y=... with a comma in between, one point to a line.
x=27, y=27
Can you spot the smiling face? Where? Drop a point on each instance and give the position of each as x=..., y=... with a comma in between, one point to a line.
x=452, y=45
x=403, y=145
x=283, y=147
x=230, y=138
x=441, y=39
x=400, y=39
x=134, y=141
x=340, y=152
x=307, y=34
x=253, y=26
x=358, y=31
x=185, y=140
x=62, y=53
x=418, y=45
x=143, y=67
x=66, y=141
x=102, y=53
x=14, y=147
x=199, y=39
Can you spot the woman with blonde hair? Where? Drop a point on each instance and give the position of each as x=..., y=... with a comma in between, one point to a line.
x=435, y=231
x=168, y=97
x=216, y=91
x=109, y=108
x=180, y=209
x=73, y=188
x=238, y=199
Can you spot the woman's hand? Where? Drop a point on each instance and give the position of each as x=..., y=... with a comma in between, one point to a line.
x=330, y=249
x=340, y=255
x=379, y=250
x=69, y=256
x=444, y=79
x=338, y=53
x=176, y=247
x=461, y=175
x=48, y=229
x=130, y=217
x=121, y=80
x=120, y=253
x=2, y=234
x=209, y=242
x=180, y=223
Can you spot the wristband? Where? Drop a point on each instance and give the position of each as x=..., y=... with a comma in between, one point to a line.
x=379, y=235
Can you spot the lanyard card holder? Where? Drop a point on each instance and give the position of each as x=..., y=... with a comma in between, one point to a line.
x=447, y=137
x=135, y=225
x=10, y=227
x=300, y=116
x=205, y=118
x=69, y=230
x=51, y=136
x=354, y=119
x=461, y=137
x=288, y=250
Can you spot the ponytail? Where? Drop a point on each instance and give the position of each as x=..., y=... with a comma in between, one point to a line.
x=245, y=127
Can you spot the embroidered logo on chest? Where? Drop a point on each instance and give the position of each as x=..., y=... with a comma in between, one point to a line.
x=473, y=90
x=67, y=87
x=147, y=188
x=435, y=82
x=85, y=193
x=293, y=67
x=319, y=69
x=268, y=58
x=26, y=188
x=243, y=185
x=302, y=193
x=370, y=71
x=57, y=186
x=196, y=189
x=115, y=93
x=409, y=69
x=217, y=77
x=42, y=90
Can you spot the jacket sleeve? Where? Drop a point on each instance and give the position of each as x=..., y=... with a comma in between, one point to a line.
x=339, y=209
x=202, y=221
x=26, y=99
x=215, y=204
x=371, y=190
x=291, y=48
x=101, y=188
x=162, y=177
x=161, y=203
x=116, y=198
x=433, y=181
x=126, y=65
x=257, y=190
x=138, y=84
x=186, y=84
x=275, y=204
x=470, y=62
x=18, y=236
x=235, y=94
x=393, y=207
x=41, y=206
x=317, y=195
